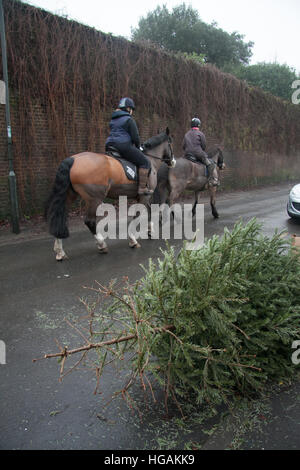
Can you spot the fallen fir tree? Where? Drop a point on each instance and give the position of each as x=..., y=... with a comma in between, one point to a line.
x=208, y=324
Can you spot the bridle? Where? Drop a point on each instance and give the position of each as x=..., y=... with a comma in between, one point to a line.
x=163, y=159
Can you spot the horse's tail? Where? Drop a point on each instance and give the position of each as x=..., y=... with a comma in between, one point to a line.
x=55, y=209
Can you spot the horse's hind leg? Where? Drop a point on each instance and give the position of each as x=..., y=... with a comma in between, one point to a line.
x=90, y=221
x=102, y=246
x=213, y=191
x=58, y=248
x=58, y=243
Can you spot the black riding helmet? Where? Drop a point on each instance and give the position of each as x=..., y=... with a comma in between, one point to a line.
x=195, y=122
x=126, y=103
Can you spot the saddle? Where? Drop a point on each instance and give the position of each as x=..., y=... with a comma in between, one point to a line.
x=193, y=159
x=212, y=181
x=129, y=168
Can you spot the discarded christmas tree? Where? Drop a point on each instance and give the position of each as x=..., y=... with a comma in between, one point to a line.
x=208, y=324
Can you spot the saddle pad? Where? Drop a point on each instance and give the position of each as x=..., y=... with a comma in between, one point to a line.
x=129, y=168
x=194, y=160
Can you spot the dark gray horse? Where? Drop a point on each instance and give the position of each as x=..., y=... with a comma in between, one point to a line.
x=186, y=175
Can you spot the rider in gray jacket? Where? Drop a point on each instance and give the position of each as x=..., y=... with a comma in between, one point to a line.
x=194, y=143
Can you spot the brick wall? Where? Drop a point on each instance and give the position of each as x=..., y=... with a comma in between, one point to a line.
x=260, y=133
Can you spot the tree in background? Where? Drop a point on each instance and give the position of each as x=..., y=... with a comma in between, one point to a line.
x=272, y=77
x=182, y=30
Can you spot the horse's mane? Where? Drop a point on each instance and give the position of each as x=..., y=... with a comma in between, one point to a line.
x=213, y=150
x=155, y=141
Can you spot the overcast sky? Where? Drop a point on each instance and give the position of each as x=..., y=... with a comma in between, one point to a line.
x=273, y=25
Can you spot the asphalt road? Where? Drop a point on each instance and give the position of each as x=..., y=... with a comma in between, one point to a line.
x=38, y=293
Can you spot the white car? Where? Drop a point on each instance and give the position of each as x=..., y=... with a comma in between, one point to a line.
x=293, y=206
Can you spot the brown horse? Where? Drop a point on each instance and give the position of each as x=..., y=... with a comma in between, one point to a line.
x=187, y=175
x=95, y=177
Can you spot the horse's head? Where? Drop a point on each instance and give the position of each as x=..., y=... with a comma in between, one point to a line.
x=220, y=161
x=216, y=154
x=168, y=156
x=160, y=148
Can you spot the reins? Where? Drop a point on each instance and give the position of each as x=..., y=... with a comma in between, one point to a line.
x=152, y=156
x=159, y=158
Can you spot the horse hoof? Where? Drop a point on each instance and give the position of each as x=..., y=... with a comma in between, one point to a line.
x=61, y=257
x=135, y=245
x=103, y=251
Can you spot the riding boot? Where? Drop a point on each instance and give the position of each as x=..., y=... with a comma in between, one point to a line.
x=212, y=181
x=143, y=179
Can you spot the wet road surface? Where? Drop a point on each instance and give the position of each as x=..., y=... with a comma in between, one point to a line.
x=37, y=293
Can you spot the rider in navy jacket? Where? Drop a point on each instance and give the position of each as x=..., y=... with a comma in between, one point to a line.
x=123, y=129
x=124, y=136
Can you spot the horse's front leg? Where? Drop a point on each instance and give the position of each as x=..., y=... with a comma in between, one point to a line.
x=133, y=243
x=160, y=198
x=151, y=231
x=141, y=216
x=213, y=192
x=197, y=199
x=58, y=248
x=174, y=195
